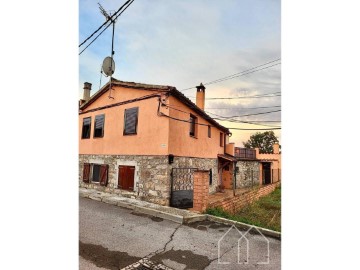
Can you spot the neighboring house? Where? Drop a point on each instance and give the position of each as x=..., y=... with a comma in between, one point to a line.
x=270, y=165
x=146, y=140
x=254, y=169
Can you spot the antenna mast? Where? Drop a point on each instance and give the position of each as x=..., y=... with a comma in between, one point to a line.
x=108, y=18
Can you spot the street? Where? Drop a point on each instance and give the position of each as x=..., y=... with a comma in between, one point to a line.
x=111, y=237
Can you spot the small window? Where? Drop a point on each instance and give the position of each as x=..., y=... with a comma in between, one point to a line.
x=86, y=128
x=209, y=131
x=130, y=121
x=210, y=177
x=193, y=122
x=99, y=173
x=99, y=126
x=221, y=139
x=96, y=173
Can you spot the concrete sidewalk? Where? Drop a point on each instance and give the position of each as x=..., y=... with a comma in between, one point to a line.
x=180, y=216
x=174, y=214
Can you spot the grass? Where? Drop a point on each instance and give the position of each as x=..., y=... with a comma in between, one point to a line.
x=265, y=212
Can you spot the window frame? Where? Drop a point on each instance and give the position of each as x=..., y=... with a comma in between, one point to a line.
x=102, y=128
x=221, y=139
x=103, y=174
x=136, y=121
x=92, y=173
x=193, y=124
x=82, y=130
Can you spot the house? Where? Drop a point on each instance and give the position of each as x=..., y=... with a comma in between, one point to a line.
x=254, y=169
x=145, y=141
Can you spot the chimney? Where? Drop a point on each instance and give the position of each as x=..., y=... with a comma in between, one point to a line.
x=200, y=96
x=276, y=148
x=87, y=89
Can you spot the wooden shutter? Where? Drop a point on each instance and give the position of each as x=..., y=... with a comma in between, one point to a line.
x=126, y=177
x=131, y=119
x=104, y=175
x=86, y=128
x=99, y=125
x=86, y=172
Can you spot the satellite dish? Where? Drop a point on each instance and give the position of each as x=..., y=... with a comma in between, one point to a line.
x=108, y=66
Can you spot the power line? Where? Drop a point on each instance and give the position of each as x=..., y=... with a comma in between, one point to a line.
x=255, y=129
x=275, y=94
x=111, y=21
x=229, y=117
x=238, y=74
x=237, y=121
x=242, y=108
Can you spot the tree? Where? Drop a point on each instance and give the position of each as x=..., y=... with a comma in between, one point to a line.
x=262, y=140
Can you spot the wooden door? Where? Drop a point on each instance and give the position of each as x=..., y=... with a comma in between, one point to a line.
x=126, y=177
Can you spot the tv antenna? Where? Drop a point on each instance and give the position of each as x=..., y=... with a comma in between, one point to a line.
x=108, y=66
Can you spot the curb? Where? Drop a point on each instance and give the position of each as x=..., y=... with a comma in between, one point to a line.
x=160, y=214
x=176, y=218
x=245, y=226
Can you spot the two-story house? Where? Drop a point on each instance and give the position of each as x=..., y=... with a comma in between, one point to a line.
x=138, y=139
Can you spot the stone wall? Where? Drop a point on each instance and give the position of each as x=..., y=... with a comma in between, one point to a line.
x=248, y=174
x=152, y=174
x=233, y=204
x=200, y=164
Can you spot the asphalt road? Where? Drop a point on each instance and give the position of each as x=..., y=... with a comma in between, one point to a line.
x=111, y=237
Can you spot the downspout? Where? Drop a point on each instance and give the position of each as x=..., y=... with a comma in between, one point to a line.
x=234, y=185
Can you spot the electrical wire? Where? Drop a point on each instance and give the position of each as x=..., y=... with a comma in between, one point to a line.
x=109, y=19
x=275, y=94
x=235, y=121
x=238, y=74
x=242, y=108
x=228, y=117
x=106, y=27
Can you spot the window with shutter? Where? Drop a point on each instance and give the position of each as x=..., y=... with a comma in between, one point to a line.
x=130, y=121
x=86, y=172
x=99, y=126
x=86, y=128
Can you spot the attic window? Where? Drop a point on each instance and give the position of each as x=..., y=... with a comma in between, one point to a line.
x=86, y=128
x=130, y=121
x=99, y=126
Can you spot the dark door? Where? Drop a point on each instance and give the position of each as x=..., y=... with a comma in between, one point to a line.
x=182, y=187
x=126, y=177
x=266, y=166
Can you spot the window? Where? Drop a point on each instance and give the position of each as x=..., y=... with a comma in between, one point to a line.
x=99, y=126
x=193, y=122
x=221, y=139
x=130, y=121
x=210, y=177
x=209, y=131
x=97, y=173
x=86, y=128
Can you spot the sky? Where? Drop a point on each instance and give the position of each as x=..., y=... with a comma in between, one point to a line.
x=184, y=43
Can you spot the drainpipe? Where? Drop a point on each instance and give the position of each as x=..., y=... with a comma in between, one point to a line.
x=234, y=182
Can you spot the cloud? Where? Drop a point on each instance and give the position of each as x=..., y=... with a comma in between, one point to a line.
x=183, y=43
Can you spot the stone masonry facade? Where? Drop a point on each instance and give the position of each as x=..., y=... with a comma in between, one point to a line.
x=152, y=179
x=247, y=174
